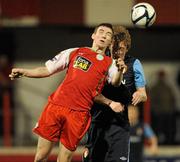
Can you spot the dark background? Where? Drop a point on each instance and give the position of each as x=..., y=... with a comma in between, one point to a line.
x=43, y=42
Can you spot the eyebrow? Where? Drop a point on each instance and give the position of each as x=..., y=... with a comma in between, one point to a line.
x=110, y=33
x=102, y=30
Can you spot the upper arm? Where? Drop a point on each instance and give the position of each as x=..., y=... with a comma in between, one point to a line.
x=139, y=76
x=60, y=61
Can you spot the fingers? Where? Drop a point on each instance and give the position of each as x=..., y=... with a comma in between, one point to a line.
x=124, y=69
x=121, y=65
x=136, y=98
x=11, y=76
x=135, y=101
x=15, y=74
x=117, y=107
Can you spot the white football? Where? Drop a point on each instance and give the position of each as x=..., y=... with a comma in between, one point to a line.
x=143, y=15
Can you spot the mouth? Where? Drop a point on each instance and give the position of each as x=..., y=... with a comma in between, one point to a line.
x=102, y=41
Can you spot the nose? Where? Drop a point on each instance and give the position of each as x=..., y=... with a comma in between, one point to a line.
x=104, y=35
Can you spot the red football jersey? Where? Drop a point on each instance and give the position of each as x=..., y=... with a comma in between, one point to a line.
x=85, y=76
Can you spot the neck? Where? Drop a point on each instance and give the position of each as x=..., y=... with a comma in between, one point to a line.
x=98, y=50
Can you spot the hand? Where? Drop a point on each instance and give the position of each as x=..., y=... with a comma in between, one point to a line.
x=121, y=65
x=139, y=96
x=116, y=106
x=136, y=98
x=16, y=73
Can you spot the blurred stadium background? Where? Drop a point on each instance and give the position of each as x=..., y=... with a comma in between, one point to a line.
x=33, y=31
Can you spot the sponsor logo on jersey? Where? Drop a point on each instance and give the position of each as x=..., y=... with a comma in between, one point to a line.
x=123, y=158
x=82, y=63
x=123, y=81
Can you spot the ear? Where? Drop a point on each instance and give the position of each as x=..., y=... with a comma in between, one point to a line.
x=92, y=36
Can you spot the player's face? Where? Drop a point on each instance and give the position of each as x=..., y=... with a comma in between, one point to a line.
x=102, y=38
x=122, y=50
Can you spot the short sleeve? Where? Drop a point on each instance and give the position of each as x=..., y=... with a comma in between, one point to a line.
x=148, y=132
x=60, y=61
x=139, y=76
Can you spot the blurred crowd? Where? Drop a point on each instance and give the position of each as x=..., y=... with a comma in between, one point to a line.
x=6, y=98
x=163, y=109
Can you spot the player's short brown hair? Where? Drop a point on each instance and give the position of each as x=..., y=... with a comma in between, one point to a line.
x=108, y=25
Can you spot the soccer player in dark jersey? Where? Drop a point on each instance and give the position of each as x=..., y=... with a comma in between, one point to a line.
x=66, y=116
x=109, y=135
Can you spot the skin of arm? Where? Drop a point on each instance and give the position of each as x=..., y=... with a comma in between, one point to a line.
x=58, y=63
x=39, y=72
x=116, y=81
x=118, y=76
x=153, y=148
x=152, y=140
x=139, y=96
x=115, y=106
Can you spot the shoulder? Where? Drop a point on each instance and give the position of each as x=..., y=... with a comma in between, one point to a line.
x=137, y=64
x=129, y=60
x=137, y=61
x=85, y=49
x=69, y=50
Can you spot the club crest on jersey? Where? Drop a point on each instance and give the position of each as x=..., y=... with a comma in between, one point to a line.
x=82, y=63
x=99, y=57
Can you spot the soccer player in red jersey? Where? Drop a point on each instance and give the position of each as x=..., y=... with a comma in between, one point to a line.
x=66, y=116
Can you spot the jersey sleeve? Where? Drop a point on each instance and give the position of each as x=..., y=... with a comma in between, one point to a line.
x=139, y=76
x=60, y=61
x=148, y=132
x=112, y=70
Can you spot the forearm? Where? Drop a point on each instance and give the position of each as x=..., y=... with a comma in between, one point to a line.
x=121, y=69
x=139, y=96
x=102, y=100
x=117, y=78
x=115, y=106
x=143, y=94
x=39, y=72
